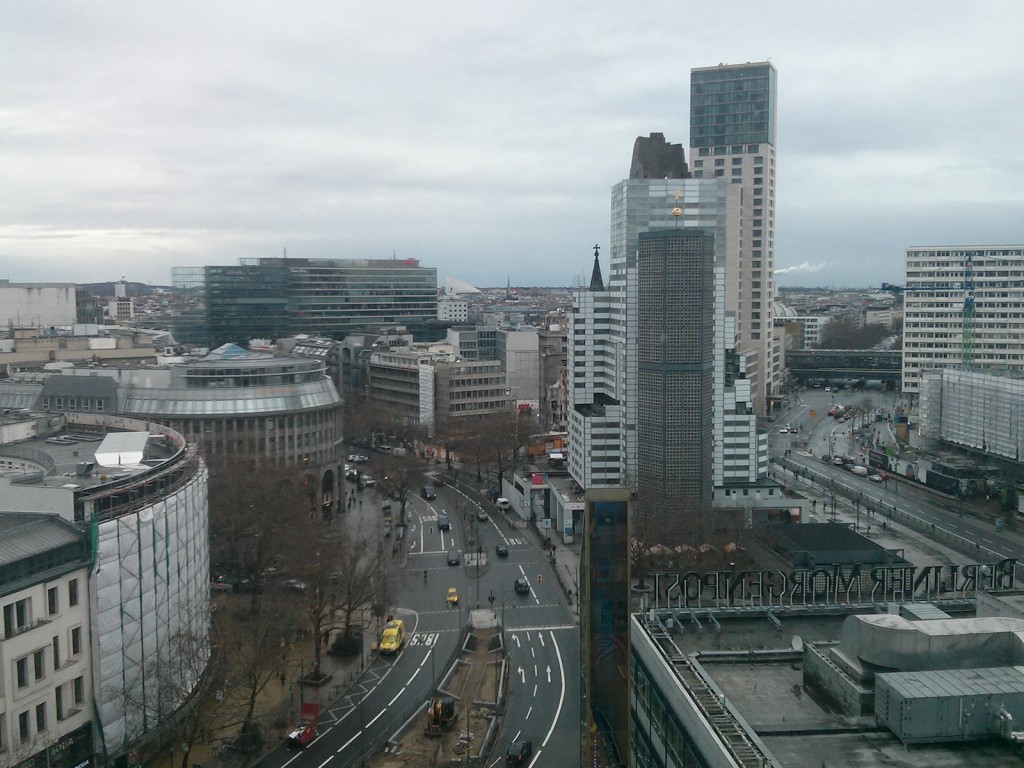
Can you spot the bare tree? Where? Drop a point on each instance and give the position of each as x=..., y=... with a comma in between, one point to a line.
x=252, y=654
x=400, y=474
x=500, y=437
x=336, y=577
x=357, y=580
x=252, y=512
x=683, y=533
x=177, y=680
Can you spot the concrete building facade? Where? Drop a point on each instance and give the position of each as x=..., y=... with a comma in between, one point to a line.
x=38, y=305
x=941, y=281
x=46, y=687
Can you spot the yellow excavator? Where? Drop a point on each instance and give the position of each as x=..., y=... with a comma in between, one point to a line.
x=440, y=715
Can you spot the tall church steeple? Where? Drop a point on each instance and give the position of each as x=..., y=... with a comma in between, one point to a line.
x=596, y=283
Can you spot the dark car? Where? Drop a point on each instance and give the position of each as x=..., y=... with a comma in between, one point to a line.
x=453, y=557
x=523, y=586
x=427, y=492
x=518, y=752
x=443, y=522
x=501, y=549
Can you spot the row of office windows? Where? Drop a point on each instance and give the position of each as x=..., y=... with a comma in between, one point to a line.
x=74, y=404
x=19, y=614
x=68, y=699
x=33, y=668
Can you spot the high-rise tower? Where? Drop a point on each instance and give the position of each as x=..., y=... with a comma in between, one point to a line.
x=732, y=136
x=675, y=364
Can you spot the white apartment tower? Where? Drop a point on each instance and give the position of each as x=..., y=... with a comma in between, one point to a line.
x=732, y=137
x=963, y=307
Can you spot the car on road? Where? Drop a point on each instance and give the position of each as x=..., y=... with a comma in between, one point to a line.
x=784, y=431
x=522, y=586
x=443, y=522
x=368, y=481
x=875, y=478
x=453, y=596
x=519, y=752
x=356, y=458
x=294, y=584
x=453, y=557
x=392, y=637
x=501, y=550
x=427, y=492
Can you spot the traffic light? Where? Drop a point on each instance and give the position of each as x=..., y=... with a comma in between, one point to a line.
x=540, y=578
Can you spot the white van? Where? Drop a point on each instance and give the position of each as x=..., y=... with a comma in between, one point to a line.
x=502, y=504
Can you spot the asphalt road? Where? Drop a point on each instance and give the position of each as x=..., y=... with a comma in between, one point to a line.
x=939, y=517
x=541, y=636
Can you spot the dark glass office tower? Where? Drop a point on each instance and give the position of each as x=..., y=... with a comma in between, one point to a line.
x=269, y=298
x=675, y=365
x=732, y=136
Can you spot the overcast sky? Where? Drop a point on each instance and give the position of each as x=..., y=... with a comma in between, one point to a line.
x=483, y=138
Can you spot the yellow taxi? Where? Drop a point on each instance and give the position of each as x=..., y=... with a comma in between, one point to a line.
x=453, y=596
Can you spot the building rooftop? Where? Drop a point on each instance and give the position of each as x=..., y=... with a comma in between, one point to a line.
x=35, y=546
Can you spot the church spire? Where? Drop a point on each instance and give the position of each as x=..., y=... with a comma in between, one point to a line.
x=596, y=283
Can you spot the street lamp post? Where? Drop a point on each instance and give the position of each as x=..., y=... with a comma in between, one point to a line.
x=479, y=557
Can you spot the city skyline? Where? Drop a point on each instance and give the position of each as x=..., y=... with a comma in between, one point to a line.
x=483, y=143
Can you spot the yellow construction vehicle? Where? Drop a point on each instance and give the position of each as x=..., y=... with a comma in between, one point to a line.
x=440, y=715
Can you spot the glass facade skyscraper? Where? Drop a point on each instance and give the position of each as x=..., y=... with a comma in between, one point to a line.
x=269, y=298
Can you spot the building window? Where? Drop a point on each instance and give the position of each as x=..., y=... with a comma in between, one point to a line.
x=56, y=652
x=99, y=406
x=39, y=664
x=704, y=151
x=16, y=617
x=719, y=162
x=51, y=601
x=698, y=163
x=79, y=690
x=76, y=641
x=21, y=671
x=72, y=404
x=23, y=730
x=720, y=172
x=73, y=592
x=737, y=149
x=58, y=701
x=40, y=718
x=737, y=171
x=753, y=149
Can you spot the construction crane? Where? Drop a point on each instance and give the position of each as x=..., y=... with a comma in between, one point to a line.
x=967, y=353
